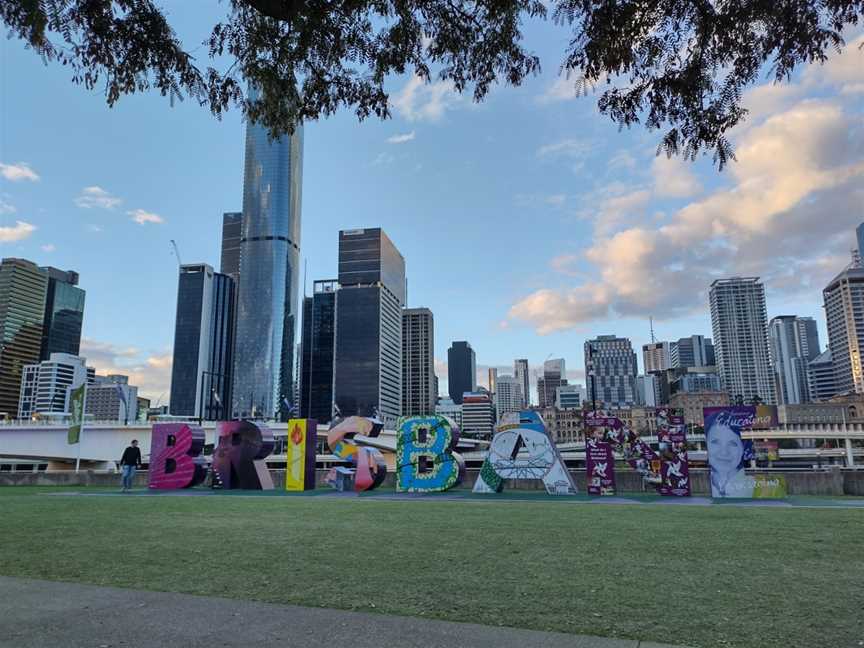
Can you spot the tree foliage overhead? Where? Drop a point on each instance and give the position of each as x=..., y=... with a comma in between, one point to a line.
x=678, y=65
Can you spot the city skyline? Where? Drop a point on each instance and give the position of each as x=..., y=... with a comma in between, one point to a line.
x=111, y=214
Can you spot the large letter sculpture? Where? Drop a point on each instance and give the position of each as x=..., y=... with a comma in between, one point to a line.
x=426, y=460
x=175, y=460
x=523, y=449
x=367, y=463
x=238, y=460
x=300, y=446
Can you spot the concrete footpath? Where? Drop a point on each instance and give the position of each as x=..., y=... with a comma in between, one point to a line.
x=37, y=613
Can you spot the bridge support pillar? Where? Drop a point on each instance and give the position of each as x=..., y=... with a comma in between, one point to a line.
x=850, y=460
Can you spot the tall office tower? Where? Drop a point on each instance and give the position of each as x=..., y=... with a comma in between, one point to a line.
x=45, y=386
x=368, y=363
x=23, y=288
x=693, y=351
x=492, y=379
x=478, y=414
x=740, y=326
x=269, y=274
x=844, y=314
x=64, y=314
x=418, y=362
x=648, y=390
x=316, y=351
x=112, y=398
x=232, y=234
x=508, y=395
x=821, y=377
x=792, y=342
x=520, y=370
x=859, y=236
x=657, y=356
x=203, y=344
x=554, y=376
x=610, y=371
x=461, y=370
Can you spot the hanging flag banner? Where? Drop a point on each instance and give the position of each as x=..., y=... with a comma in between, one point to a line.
x=77, y=410
x=600, y=467
x=300, y=446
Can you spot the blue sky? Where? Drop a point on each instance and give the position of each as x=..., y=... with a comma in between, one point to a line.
x=528, y=223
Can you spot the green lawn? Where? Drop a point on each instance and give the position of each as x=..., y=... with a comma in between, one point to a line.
x=719, y=576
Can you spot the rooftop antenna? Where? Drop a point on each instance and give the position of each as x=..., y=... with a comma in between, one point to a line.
x=651, y=325
x=176, y=251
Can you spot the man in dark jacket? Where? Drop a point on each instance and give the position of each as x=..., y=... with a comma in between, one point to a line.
x=130, y=461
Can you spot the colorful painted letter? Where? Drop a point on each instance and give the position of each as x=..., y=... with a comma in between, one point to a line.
x=238, y=460
x=368, y=463
x=300, y=447
x=523, y=449
x=426, y=460
x=175, y=460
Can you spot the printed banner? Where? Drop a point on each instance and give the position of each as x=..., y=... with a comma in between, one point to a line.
x=728, y=453
x=77, y=409
x=300, y=447
x=765, y=418
x=674, y=466
x=600, y=467
x=769, y=486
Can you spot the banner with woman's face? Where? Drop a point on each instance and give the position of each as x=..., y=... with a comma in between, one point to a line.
x=728, y=453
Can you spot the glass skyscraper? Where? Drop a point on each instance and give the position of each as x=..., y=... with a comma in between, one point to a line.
x=319, y=343
x=269, y=277
x=64, y=314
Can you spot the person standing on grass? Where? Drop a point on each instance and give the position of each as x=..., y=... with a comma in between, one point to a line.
x=129, y=463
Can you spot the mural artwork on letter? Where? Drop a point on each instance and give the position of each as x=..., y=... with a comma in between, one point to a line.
x=300, y=446
x=367, y=463
x=238, y=459
x=523, y=449
x=175, y=456
x=426, y=461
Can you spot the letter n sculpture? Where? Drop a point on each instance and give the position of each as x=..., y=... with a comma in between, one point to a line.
x=175, y=456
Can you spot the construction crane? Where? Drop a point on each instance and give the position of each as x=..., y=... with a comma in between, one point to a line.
x=176, y=252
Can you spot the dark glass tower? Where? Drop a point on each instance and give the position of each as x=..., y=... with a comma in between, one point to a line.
x=232, y=232
x=461, y=370
x=203, y=344
x=64, y=313
x=269, y=264
x=318, y=346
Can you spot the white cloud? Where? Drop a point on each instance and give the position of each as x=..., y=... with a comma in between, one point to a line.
x=143, y=217
x=567, y=147
x=674, y=177
x=92, y=227
x=17, y=232
x=421, y=101
x=48, y=247
x=17, y=172
x=97, y=197
x=6, y=208
x=150, y=372
x=401, y=139
x=383, y=159
x=535, y=201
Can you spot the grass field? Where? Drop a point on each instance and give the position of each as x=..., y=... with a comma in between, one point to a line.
x=712, y=576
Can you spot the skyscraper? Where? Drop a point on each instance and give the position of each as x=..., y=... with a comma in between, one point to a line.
x=318, y=344
x=269, y=273
x=821, y=377
x=368, y=362
x=492, y=379
x=844, y=314
x=740, y=328
x=203, y=343
x=793, y=343
x=693, y=351
x=64, y=314
x=45, y=386
x=461, y=370
x=520, y=371
x=478, y=414
x=232, y=235
x=657, y=356
x=610, y=371
x=508, y=395
x=418, y=362
x=23, y=288
x=554, y=376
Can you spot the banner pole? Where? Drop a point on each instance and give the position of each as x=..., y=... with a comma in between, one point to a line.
x=81, y=429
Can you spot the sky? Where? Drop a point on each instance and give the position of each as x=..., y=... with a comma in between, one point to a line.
x=529, y=223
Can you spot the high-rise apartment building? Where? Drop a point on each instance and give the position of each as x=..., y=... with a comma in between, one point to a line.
x=45, y=386
x=112, y=398
x=203, y=344
x=844, y=314
x=478, y=414
x=521, y=372
x=418, y=362
x=508, y=395
x=269, y=274
x=23, y=288
x=821, y=377
x=317, y=351
x=554, y=376
x=461, y=370
x=657, y=356
x=372, y=291
x=610, y=371
x=792, y=342
x=693, y=351
x=740, y=327
x=64, y=313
